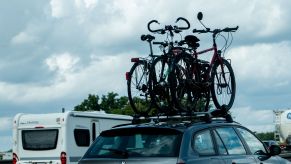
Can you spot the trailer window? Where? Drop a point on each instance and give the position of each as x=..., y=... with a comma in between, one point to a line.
x=39, y=139
x=82, y=137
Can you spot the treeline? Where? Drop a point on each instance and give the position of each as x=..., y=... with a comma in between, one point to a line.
x=265, y=136
x=110, y=103
x=115, y=104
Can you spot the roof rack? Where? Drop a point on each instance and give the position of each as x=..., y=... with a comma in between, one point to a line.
x=191, y=117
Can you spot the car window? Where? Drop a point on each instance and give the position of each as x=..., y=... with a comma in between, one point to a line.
x=273, y=143
x=231, y=140
x=254, y=144
x=136, y=142
x=266, y=143
x=220, y=145
x=203, y=143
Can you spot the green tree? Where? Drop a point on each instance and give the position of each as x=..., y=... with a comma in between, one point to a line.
x=265, y=136
x=110, y=103
x=89, y=104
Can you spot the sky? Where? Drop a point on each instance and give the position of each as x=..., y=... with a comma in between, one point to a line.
x=53, y=53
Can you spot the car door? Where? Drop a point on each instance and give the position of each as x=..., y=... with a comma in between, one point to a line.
x=231, y=147
x=256, y=147
x=202, y=143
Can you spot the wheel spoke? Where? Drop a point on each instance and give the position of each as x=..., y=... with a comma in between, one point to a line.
x=223, y=85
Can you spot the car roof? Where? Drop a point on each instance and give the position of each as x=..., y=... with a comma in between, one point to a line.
x=179, y=125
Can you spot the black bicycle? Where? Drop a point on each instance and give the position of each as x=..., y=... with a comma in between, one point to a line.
x=162, y=70
x=138, y=87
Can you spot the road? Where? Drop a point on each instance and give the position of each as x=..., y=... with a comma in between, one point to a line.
x=286, y=156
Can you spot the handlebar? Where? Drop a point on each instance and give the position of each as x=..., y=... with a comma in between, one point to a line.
x=148, y=38
x=185, y=20
x=169, y=28
x=149, y=26
x=228, y=29
x=216, y=31
x=200, y=31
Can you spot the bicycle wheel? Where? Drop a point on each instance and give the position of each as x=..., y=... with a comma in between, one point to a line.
x=190, y=93
x=203, y=97
x=179, y=85
x=160, y=93
x=223, y=86
x=138, y=88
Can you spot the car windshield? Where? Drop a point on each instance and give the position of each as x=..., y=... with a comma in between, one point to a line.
x=136, y=142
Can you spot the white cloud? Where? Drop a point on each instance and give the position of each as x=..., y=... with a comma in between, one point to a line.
x=261, y=19
x=254, y=119
x=6, y=123
x=62, y=63
x=87, y=4
x=263, y=63
x=80, y=28
x=100, y=76
x=114, y=22
x=23, y=38
x=60, y=9
x=255, y=18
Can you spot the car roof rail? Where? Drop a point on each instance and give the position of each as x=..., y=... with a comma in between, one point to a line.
x=190, y=117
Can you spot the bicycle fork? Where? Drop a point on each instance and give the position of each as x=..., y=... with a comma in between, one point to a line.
x=222, y=80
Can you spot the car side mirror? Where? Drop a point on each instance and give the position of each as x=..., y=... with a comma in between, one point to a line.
x=275, y=150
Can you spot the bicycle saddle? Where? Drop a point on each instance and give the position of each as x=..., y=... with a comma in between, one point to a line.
x=192, y=41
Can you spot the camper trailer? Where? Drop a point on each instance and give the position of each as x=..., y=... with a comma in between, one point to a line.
x=59, y=138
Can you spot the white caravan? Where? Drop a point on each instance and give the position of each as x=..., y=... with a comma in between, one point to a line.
x=58, y=138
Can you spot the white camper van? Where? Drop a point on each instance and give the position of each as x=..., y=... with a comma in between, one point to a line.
x=58, y=138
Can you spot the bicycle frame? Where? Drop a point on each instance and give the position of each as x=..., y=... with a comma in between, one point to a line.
x=216, y=57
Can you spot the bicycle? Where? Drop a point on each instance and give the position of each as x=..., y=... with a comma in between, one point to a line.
x=140, y=90
x=162, y=68
x=138, y=81
x=203, y=77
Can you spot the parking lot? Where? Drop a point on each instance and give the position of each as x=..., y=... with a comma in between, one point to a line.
x=285, y=155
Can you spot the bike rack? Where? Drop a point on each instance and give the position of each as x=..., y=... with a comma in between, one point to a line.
x=207, y=117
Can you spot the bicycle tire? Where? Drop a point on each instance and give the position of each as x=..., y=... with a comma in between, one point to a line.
x=218, y=87
x=179, y=84
x=138, y=88
x=160, y=92
x=189, y=93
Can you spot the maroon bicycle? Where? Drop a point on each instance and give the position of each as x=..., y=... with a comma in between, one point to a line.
x=197, y=81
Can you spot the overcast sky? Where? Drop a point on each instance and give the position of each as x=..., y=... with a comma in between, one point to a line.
x=56, y=52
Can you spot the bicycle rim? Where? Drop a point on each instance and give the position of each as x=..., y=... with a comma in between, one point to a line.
x=160, y=93
x=192, y=94
x=223, y=85
x=138, y=89
x=179, y=86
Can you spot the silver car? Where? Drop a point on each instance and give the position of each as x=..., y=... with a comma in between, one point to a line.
x=218, y=142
